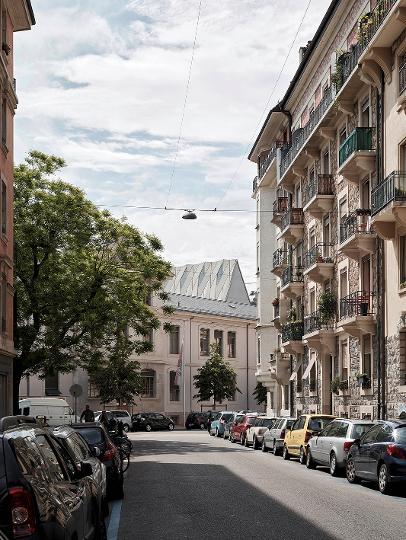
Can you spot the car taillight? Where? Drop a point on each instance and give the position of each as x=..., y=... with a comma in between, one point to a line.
x=308, y=436
x=22, y=512
x=396, y=451
x=347, y=445
x=109, y=453
x=283, y=432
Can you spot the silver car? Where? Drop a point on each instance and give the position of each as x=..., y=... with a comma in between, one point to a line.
x=255, y=434
x=274, y=437
x=330, y=446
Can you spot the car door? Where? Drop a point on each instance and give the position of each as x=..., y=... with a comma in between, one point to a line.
x=377, y=448
x=161, y=422
x=319, y=444
x=362, y=456
x=298, y=435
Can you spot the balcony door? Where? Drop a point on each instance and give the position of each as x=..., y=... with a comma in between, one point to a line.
x=366, y=275
x=326, y=235
x=365, y=195
x=326, y=161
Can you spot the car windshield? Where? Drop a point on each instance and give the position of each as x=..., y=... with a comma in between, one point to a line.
x=227, y=417
x=400, y=435
x=318, y=423
x=359, y=429
x=92, y=435
x=289, y=423
x=268, y=422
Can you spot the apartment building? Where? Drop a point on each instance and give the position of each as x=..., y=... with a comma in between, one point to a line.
x=211, y=306
x=15, y=16
x=331, y=169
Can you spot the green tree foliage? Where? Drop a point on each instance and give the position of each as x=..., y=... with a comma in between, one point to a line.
x=216, y=379
x=81, y=276
x=260, y=393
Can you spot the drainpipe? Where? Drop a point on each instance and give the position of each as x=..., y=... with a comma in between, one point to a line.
x=247, y=368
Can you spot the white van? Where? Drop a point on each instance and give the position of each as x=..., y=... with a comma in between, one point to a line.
x=56, y=410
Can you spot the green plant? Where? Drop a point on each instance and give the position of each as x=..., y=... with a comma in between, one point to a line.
x=335, y=385
x=343, y=385
x=292, y=316
x=327, y=306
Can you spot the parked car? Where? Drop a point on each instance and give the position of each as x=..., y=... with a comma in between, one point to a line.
x=79, y=452
x=118, y=416
x=240, y=426
x=274, y=438
x=152, y=421
x=197, y=420
x=217, y=426
x=102, y=446
x=211, y=417
x=297, y=437
x=330, y=446
x=229, y=423
x=55, y=411
x=379, y=455
x=42, y=492
x=255, y=433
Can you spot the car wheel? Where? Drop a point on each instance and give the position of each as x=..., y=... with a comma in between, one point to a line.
x=285, y=453
x=333, y=465
x=275, y=449
x=231, y=438
x=263, y=446
x=171, y=427
x=217, y=432
x=148, y=427
x=302, y=456
x=350, y=472
x=126, y=428
x=244, y=441
x=255, y=444
x=384, y=480
x=202, y=426
x=310, y=464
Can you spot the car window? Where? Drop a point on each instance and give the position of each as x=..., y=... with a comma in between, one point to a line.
x=119, y=414
x=385, y=434
x=70, y=465
x=289, y=423
x=30, y=459
x=370, y=436
x=227, y=417
x=258, y=422
x=251, y=420
x=50, y=457
x=92, y=435
x=78, y=446
x=301, y=423
x=337, y=429
x=160, y=416
x=317, y=423
x=268, y=422
x=400, y=435
x=327, y=431
x=359, y=429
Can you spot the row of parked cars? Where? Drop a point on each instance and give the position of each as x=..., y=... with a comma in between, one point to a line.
x=56, y=482
x=365, y=450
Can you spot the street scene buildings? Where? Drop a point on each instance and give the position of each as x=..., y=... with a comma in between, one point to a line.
x=330, y=191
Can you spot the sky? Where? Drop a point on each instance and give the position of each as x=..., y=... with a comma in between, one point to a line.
x=102, y=84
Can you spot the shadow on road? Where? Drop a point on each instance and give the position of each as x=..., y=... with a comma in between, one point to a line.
x=159, y=447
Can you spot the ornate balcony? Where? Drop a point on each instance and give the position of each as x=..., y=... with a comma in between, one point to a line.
x=402, y=75
x=267, y=165
x=255, y=184
x=389, y=205
x=319, y=195
x=280, y=207
x=357, y=156
x=356, y=237
x=292, y=282
x=292, y=225
x=357, y=315
x=292, y=334
x=279, y=366
x=318, y=333
x=280, y=261
x=318, y=262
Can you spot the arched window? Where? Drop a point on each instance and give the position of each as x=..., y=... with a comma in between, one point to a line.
x=148, y=383
x=174, y=392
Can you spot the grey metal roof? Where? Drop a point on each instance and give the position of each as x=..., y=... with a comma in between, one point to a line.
x=193, y=304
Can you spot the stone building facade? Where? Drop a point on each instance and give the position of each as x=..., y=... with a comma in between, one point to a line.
x=331, y=158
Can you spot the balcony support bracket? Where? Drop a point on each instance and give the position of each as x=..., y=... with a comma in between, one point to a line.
x=313, y=152
x=328, y=133
x=372, y=71
x=346, y=106
x=383, y=57
x=301, y=173
x=401, y=15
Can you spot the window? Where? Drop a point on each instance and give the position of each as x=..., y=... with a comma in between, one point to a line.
x=174, y=391
x=326, y=161
x=342, y=135
x=67, y=459
x=174, y=340
x=286, y=397
x=366, y=356
x=218, y=339
x=4, y=122
x=149, y=337
x=312, y=237
x=312, y=300
x=52, y=384
x=342, y=209
x=78, y=445
x=4, y=41
x=300, y=424
x=299, y=377
x=343, y=283
x=50, y=458
x=3, y=304
x=313, y=375
x=147, y=383
x=339, y=429
x=232, y=344
x=204, y=341
x=364, y=113
x=402, y=73
x=344, y=360
x=3, y=207
x=326, y=235
x=402, y=261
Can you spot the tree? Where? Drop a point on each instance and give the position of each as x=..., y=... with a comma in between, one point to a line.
x=216, y=379
x=260, y=393
x=81, y=276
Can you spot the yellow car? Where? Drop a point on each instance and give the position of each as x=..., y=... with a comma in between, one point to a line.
x=297, y=437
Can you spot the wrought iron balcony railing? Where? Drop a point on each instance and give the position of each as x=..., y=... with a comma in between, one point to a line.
x=266, y=161
x=292, y=331
x=276, y=311
x=402, y=74
x=280, y=205
x=393, y=188
x=318, y=321
x=300, y=136
x=359, y=303
x=357, y=222
x=280, y=258
x=321, y=252
x=359, y=139
x=321, y=184
x=255, y=184
x=292, y=274
x=294, y=216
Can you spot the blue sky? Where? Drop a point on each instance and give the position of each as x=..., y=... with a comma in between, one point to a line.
x=102, y=84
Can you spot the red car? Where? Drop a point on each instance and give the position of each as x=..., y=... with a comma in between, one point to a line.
x=240, y=426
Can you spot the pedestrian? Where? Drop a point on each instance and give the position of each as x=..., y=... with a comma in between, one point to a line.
x=87, y=415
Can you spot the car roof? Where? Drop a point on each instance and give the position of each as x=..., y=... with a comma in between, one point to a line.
x=12, y=422
x=63, y=431
x=88, y=425
x=355, y=421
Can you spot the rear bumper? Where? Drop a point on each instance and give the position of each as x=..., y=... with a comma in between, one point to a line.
x=397, y=470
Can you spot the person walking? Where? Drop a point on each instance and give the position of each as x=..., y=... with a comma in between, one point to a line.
x=87, y=415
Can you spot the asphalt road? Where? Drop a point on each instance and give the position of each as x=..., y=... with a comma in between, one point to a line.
x=189, y=485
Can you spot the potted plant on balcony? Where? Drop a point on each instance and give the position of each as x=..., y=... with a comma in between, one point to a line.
x=292, y=316
x=335, y=385
x=343, y=385
x=327, y=307
x=363, y=380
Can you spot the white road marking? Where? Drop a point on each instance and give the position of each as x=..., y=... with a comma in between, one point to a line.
x=114, y=522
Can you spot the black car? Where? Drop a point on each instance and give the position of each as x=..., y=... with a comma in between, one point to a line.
x=43, y=494
x=149, y=421
x=379, y=455
x=102, y=446
x=197, y=420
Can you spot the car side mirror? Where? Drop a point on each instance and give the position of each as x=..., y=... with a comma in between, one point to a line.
x=96, y=451
x=85, y=469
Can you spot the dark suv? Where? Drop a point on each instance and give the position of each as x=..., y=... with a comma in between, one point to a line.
x=42, y=493
x=150, y=421
x=197, y=420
